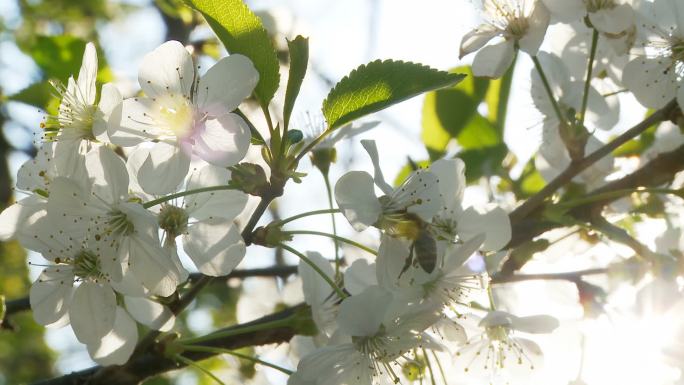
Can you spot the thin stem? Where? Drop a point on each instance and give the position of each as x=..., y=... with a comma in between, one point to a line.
x=193, y=364
x=569, y=276
x=439, y=366
x=616, y=194
x=587, y=81
x=427, y=361
x=307, y=214
x=169, y=197
x=334, y=237
x=267, y=115
x=236, y=331
x=549, y=92
x=490, y=295
x=210, y=349
x=320, y=272
x=328, y=188
x=313, y=144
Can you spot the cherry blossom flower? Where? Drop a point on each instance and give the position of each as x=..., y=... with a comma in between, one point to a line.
x=497, y=353
x=81, y=119
x=607, y=16
x=185, y=114
x=519, y=23
x=655, y=74
x=105, y=211
x=417, y=196
x=376, y=339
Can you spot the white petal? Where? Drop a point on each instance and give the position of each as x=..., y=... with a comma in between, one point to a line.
x=355, y=195
x=535, y=324
x=361, y=315
x=50, y=295
x=458, y=255
x=492, y=221
x=167, y=70
x=450, y=174
x=538, y=23
x=225, y=204
x=315, y=288
x=135, y=123
x=497, y=318
x=419, y=194
x=69, y=158
x=653, y=81
x=87, y=75
x=36, y=173
x=224, y=141
x=92, y=311
x=392, y=255
x=110, y=108
x=117, y=346
x=477, y=38
x=452, y=331
x=226, y=84
x=614, y=20
x=129, y=285
x=150, y=313
x=359, y=276
x=566, y=11
x=71, y=207
x=15, y=218
x=215, y=246
x=164, y=169
x=108, y=174
x=152, y=265
x=379, y=179
x=680, y=94
x=493, y=60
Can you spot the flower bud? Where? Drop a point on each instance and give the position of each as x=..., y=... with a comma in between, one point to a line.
x=249, y=178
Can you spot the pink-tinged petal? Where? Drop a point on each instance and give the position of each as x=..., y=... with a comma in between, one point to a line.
x=117, y=346
x=477, y=38
x=150, y=313
x=164, y=169
x=226, y=84
x=653, y=81
x=224, y=141
x=87, y=75
x=355, y=194
x=493, y=60
x=215, y=246
x=168, y=70
x=50, y=295
x=92, y=311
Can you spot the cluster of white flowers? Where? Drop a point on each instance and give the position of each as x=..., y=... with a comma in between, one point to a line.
x=91, y=212
x=411, y=299
x=636, y=46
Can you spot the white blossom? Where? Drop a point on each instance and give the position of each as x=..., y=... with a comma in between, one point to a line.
x=185, y=114
x=519, y=23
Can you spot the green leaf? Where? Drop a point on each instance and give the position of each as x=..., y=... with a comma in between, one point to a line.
x=37, y=94
x=479, y=134
x=378, y=85
x=299, y=59
x=242, y=32
x=530, y=181
x=482, y=162
x=446, y=112
x=58, y=56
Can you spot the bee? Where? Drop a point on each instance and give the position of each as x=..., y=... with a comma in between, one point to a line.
x=423, y=251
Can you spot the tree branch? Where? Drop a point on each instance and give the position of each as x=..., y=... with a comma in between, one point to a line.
x=659, y=171
x=572, y=276
x=154, y=362
x=575, y=168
